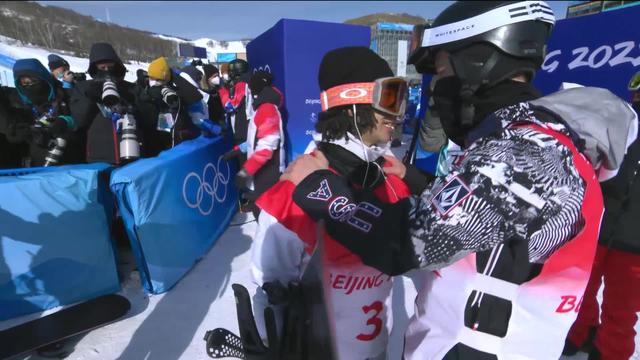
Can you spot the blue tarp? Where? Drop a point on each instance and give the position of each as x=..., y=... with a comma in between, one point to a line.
x=175, y=206
x=55, y=247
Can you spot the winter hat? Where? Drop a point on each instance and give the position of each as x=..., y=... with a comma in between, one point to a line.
x=56, y=61
x=104, y=52
x=259, y=81
x=32, y=68
x=209, y=70
x=351, y=65
x=159, y=69
x=193, y=72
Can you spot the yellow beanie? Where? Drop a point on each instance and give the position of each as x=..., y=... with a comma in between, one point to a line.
x=159, y=69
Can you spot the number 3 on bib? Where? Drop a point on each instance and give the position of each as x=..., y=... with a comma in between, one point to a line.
x=376, y=309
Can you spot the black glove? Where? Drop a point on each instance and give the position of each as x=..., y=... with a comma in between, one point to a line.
x=243, y=179
x=229, y=155
x=58, y=127
x=41, y=136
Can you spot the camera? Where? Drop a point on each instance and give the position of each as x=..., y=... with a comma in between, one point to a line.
x=169, y=96
x=56, y=152
x=110, y=95
x=129, y=145
x=79, y=76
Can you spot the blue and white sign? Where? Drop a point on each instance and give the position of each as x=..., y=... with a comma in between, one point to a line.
x=175, y=206
x=600, y=50
x=300, y=44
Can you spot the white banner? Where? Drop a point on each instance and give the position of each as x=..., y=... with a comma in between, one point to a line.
x=403, y=49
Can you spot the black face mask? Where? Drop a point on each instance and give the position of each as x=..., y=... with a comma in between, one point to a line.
x=447, y=102
x=458, y=117
x=37, y=93
x=636, y=107
x=103, y=74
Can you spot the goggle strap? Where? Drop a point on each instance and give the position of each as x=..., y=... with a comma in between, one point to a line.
x=347, y=94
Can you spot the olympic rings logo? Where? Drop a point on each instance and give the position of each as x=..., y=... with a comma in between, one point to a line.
x=263, y=68
x=212, y=187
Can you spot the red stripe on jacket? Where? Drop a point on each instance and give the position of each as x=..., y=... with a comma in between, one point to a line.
x=267, y=121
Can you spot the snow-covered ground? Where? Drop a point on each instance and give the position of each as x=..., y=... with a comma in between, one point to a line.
x=171, y=326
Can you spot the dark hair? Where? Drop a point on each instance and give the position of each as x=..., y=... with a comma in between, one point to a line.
x=334, y=123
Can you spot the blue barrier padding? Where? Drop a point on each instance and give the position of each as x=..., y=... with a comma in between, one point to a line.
x=55, y=247
x=175, y=206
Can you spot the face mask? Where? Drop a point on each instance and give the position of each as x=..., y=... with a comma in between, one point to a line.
x=102, y=74
x=153, y=83
x=225, y=77
x=60, y=76
x=447, y=103
x=214, y=81
x=38, y=93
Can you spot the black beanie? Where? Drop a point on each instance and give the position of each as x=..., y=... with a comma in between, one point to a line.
x=260, y=80
x=209, y=70
x=351, y=65
x=56, y=61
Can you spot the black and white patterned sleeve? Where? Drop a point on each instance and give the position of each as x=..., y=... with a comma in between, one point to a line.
x=522, y=186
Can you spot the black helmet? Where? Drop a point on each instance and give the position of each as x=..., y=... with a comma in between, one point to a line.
x=488, y=41
x=237, y=68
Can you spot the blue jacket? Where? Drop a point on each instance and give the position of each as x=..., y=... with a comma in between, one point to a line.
x=32, y=67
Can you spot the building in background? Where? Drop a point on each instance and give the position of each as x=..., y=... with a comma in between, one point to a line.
x=391, y=39
x=594, y=7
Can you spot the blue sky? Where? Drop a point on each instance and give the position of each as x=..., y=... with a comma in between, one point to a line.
x=232, y=20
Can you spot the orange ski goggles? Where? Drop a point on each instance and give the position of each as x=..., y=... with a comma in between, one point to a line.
x=388, y=95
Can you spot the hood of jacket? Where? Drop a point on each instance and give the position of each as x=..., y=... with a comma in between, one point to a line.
x=105, y=52
x=605, y=123
x=34, y=68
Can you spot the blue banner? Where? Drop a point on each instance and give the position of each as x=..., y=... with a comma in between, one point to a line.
x=175, y=206
x=600, y=50
x=300, y=45
x=395, y=27
x=7, y=61
x=225, y=57
x=55, y=247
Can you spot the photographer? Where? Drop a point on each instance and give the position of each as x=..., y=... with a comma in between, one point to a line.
x=36, y=128
x=59, y=68
x=172, y=95
x=116, y=114
x=233, y=97
x=211, y=85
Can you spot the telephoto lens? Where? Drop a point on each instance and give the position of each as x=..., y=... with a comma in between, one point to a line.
x=169, y=96
x=55, y=153
x=110, y=94
x=129, y=145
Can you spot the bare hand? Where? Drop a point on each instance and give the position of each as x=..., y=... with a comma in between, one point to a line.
x=303, y=166
x=394, y=167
